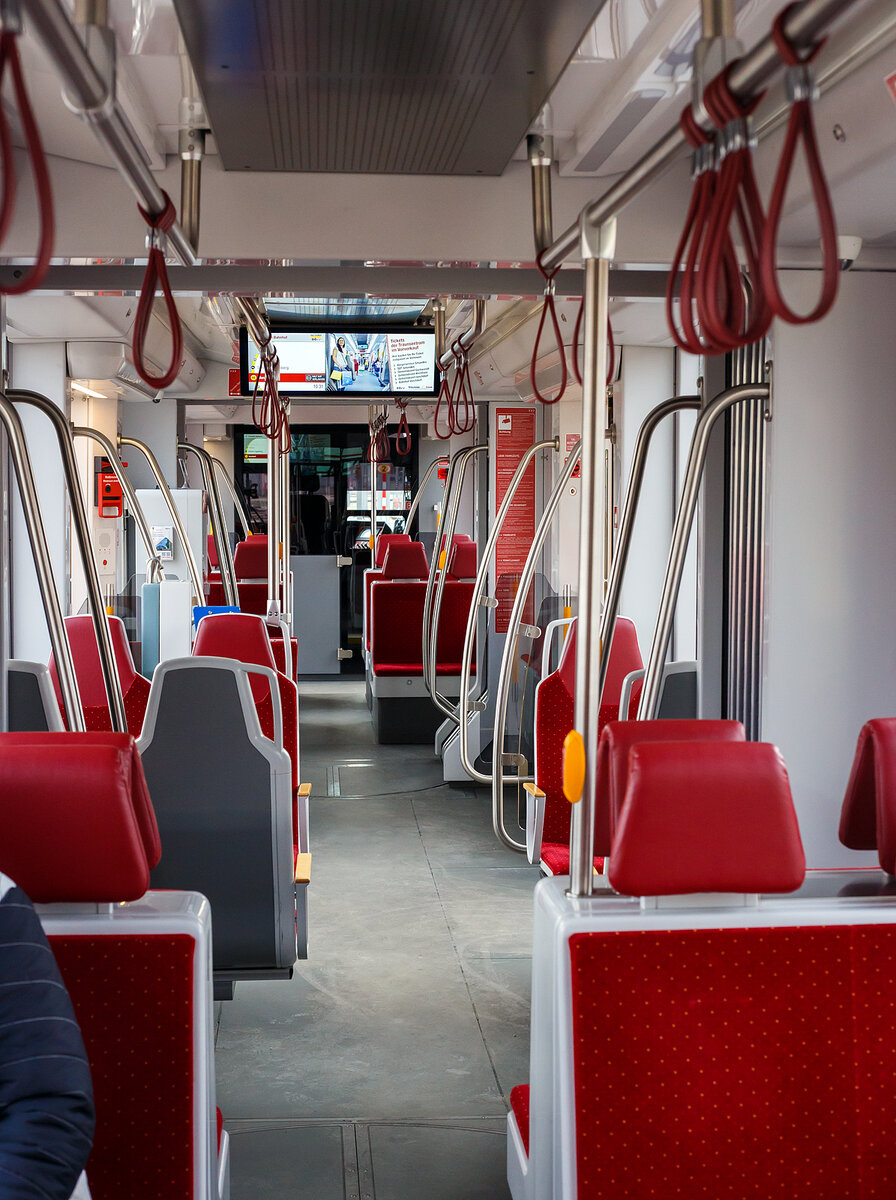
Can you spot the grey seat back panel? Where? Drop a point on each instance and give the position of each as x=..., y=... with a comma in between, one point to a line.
x=31, y=701
x=211, y=790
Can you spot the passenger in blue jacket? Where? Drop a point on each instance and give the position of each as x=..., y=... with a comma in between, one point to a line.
x=46, y=1097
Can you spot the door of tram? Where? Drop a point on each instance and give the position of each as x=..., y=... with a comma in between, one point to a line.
x=330, y=531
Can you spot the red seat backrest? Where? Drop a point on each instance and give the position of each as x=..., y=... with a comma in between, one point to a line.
x=78, y=824
x=88, y=672
x=250, y=558
x=868, y=816
x=453, y=615
x=405, y=560
x=212, y=551
x=617, y=740
x=384, y=541
x=396, y=624
x=706, y=817
x=462, y=562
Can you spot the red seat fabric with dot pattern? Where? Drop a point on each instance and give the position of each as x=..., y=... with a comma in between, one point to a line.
x=89, y=674
x=250, y=558
x=385, y=540
x=734, y=1062
x=519, y=1103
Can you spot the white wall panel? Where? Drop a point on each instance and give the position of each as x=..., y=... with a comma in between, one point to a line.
x=831, y=589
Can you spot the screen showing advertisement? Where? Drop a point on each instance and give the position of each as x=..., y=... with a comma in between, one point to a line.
x=355, y=362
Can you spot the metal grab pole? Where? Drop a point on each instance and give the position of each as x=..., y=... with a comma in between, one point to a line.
x=476, y=602
x=219, y=529
x=468, y=337
x=176, y=520
x=275, y=479
x=43, y=566
x=155, y=572
x=447, y=501
x=415, y=503
x=432, y=629
x=597, y=249
x=285, y=546
x=684, y=519
x=503, y=687
x=234, y=496
x=629, y=510
x=748, y=76
x=108, y=665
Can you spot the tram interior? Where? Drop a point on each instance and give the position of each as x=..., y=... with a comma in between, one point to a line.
x=446, y=564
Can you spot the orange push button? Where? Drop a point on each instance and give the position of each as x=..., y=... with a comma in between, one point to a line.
x=573, y=766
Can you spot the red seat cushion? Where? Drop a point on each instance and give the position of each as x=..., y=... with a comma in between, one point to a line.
x=519, y=1103
x=868, y=818
x=89, y=674
x=706, y=817
x=556, y=858
x=133, y=997
x=397, y=626
x=734, y=1062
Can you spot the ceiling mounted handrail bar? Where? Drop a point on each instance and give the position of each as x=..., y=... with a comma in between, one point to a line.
x=219, y=528
x=88, y=95
x=176, y=519
x=752, y=72
x=447, y=501
x=43, y=565
x=468, y=337
x=626, y=525
x=108, y=666
x=476, y=603
x=415, y=503
x=502, y=689
x=238, y=508
x=684, y=518
x=155, y=572
x=431, y=629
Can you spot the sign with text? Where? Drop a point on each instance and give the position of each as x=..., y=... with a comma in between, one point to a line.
x=514, y=434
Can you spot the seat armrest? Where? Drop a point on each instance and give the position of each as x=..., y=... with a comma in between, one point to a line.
x=534, y=822
x=303, y=868
x=625, y=693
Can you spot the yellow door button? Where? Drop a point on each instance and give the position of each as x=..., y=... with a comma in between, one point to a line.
x=573, y=766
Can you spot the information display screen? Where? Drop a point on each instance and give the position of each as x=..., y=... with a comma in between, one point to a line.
x=355, y=362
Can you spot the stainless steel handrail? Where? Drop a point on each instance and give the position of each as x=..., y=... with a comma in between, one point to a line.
x=684, y=518
x=476, y=603
x=748, y=76
x=219, y=526
x=629, y=511
x=241, y=514
x=468, y=337
x=513, y=628
x=176, y=520
x=108, y=665
x=43, y=566
x=155, y=572
x=415, y=503
x=447, y=500
x=431, y=621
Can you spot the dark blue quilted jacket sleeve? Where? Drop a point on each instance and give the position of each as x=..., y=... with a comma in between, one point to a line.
x=46, y=1098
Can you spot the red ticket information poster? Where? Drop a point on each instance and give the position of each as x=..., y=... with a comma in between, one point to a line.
x=514, y=434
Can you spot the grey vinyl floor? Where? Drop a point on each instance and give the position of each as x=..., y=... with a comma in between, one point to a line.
x=382, y=1070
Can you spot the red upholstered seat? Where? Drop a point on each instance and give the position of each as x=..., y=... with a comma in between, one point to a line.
x=555, y=859
x=88, y=672
x=554, y=714
x=706, y=817
x=616, y=742
x=212, y=551
x=868, y=817
x=462, y=562
x=384, y=541
x=279, y=651
x=88, y=793
x=397, y=625
x=250, y=558
x=405, y=560
x=244, y=637
x=519, y=1105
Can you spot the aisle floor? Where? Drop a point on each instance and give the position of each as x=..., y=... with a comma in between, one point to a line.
x=382, y=1070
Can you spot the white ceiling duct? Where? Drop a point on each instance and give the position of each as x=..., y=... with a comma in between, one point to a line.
x=115, y=361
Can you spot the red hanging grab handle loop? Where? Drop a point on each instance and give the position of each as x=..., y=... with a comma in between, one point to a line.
x=726, y=319
x=403, y=440
x=464, y=392
x=548, y=309
x=801, y=127
x=445, y=397
x=611, y=347
x=157, y=277
x=9, y=54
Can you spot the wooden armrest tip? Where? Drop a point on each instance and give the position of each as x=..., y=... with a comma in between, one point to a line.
x=304, y=789
x=303, y=868
x=533, y=790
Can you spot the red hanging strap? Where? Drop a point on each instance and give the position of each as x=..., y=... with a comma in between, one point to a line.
x=403, y=440
x=548, y=309
x=445, y=397
x=724, y=315
x=157, y=277
x=611, y=347
x=9, y=53
x=801, y=90
x=464, y=392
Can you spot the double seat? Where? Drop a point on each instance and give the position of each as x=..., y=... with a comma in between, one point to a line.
x=250, y=565
x=702, y=1030
x=81, y=839
x=401, y=708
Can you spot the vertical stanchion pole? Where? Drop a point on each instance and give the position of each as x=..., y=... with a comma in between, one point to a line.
x=371, y=419
x=598, y=246
x=274, y=487
x=285, y=533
